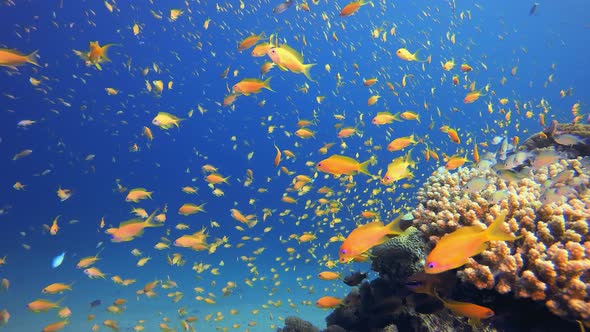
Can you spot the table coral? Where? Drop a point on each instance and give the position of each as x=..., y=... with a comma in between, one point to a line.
x=549, y=208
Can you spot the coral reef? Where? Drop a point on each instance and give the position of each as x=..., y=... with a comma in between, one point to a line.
x=549, y=208
x=296, y=324
x=399, y=257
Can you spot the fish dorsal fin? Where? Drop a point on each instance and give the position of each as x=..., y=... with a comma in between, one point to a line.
x=342, y=158
x=291, y=51
x=371, y=225
x=131, y=221
x=463, y=231
x=251, y=80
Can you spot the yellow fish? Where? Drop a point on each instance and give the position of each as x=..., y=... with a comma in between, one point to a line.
x=287, y=58
x=166, y=120
x=404, y=54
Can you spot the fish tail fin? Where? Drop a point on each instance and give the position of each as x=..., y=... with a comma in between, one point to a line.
x=306, y=69
x=495, y=233
x=104, y=49
x=393, y=228
x=151, y=222
x=364, y=167
x=267, y=84
x=32, y=58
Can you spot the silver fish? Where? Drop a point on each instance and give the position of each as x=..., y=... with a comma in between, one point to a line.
x=282, y=7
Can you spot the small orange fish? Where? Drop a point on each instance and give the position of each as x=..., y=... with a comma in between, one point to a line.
x=352, y=7
x=465, y=309
x=472, y=96
x=56, y=288
x=54, y=327
x=215, y=178
x=63, y=194
x=129, y=230
x=329, y=275
x=454, y=136
x=453, y=250
x=456, y=162
x=54, y=227
x=137, y=194
x=401, y=143
x=250, y=41
x=466, y=68
x=365, y=237
x=187, y=209
x=383, y=118
x=328, y=302
x=248, y=86
x=96, y=54
x=370, y=81
x=42, y=305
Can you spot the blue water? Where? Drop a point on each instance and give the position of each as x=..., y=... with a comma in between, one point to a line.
x=75, y=118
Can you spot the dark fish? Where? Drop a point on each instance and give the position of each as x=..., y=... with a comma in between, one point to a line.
x=424, y=283
x=355, y=278
x=533, y=8
x=95, y=303
x=280, y=8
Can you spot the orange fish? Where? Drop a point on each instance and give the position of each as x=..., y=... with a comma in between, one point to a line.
x=54, y=227
x=338, y=165
x=42, y=305
x=130, y=229
x=96, y=54
x=385, y=118
x=63, y=194
x=196, y=241
x=465, y=309
x=352, y=7
x=4, y=317
x=215, y=178
x=453, y=250
x=304, y=133
x=455, y=162
x=57, y=288
x=187, y=209
x=15, y=58
x=260, y=50
x=328, y=302
x=248, y=86
x=136, y=194
x=277, y=157
x=401, y=143
x=370, y=81
x=472, y=96
x=466, y=68
x=249, y=41
x=454, y=136
x=329, y=275
x=54, y=327
x=365, y=237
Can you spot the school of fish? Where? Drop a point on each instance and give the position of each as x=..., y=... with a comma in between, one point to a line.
x=260, y=193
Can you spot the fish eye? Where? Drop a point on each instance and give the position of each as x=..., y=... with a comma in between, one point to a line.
x=319, y=164
x=343, y=251
x=431, y=265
